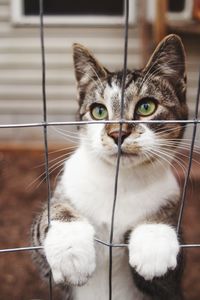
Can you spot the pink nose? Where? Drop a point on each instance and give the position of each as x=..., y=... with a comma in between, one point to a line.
x=115, y=135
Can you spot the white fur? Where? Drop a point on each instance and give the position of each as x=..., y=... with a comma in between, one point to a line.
x=89, y=184
x=69, y=249
x=111, y=95
x=153, y=250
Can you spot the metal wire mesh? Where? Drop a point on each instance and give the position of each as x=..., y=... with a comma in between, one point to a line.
x=45, y=124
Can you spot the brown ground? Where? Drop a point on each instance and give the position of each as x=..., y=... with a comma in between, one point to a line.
x=19, y=280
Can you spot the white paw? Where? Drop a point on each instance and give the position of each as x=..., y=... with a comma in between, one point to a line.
x=69, y=249
x=153, y=250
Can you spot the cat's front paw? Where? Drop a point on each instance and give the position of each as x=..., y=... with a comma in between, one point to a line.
x=69, y=249
x=153, y=250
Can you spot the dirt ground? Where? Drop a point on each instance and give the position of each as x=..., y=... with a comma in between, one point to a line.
x=19, y=202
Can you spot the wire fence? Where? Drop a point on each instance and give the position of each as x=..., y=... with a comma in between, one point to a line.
x=45, y=124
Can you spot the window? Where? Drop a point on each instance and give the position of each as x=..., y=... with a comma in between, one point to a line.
x=176, y=6
x=177, y=10
x=87, y=12
x=75, y=7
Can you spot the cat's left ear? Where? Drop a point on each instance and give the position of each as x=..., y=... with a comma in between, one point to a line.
x=87, y=67
x=168, y=60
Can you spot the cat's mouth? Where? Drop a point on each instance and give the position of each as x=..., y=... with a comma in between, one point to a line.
x=129, y=159
x=125, y=154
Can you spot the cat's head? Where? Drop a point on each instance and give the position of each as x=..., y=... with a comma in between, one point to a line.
x=156, y=92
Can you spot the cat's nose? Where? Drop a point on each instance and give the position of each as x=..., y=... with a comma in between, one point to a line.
x=115, y=135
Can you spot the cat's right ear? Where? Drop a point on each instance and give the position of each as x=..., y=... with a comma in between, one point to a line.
x=86, y=66
x=168, y=60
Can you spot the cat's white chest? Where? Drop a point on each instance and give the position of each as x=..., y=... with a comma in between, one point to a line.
x=90, y=189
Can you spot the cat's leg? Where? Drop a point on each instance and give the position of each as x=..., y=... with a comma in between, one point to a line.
x=155, y=257
x=68, y=244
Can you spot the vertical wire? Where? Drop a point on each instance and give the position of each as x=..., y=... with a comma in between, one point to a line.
x=119, y=146
x=41, y=11
x=186, y=182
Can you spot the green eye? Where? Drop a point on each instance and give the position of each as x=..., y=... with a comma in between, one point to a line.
x=99, y=112
x=146, y=107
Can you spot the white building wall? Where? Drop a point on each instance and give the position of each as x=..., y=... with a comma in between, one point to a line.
x=20, y=68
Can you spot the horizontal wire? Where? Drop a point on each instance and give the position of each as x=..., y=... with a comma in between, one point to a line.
x=190, y=245
x=40, y=124
x=111, y=245
x=21, y=249
x=34, y=248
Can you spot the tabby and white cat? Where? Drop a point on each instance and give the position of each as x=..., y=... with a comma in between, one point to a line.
x=148, y=193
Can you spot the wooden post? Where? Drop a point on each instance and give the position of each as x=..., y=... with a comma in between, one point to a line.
x=144, y=30
x=160, y=20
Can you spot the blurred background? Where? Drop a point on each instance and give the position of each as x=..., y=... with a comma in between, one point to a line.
x=99, y=25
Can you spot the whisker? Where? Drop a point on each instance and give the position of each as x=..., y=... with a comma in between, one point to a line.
x=182, y=164
x=70, y=135
x=63, y=149
x=166, y=159
x=174, y=152
x=175, y=145
x=56, y=178
x=53, y=170
x=50, y=169
x=52, y=160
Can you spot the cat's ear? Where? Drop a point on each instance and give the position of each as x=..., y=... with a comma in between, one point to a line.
x=87, y=68
x=168, y=59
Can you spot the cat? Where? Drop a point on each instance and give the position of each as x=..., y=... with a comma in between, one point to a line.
x=148, y=198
